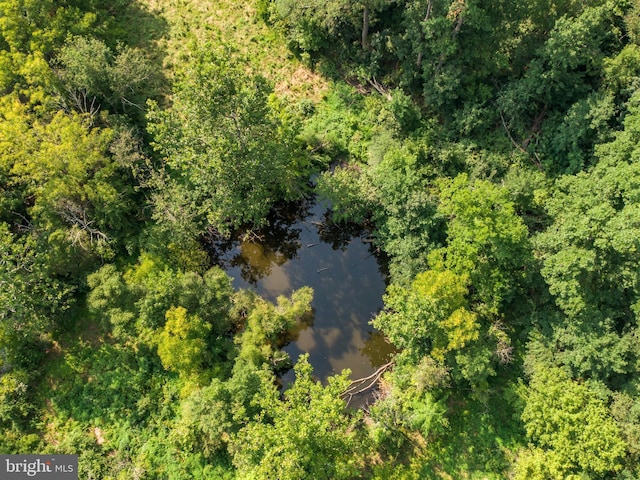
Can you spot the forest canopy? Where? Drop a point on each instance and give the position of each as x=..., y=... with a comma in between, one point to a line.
x=490, y=150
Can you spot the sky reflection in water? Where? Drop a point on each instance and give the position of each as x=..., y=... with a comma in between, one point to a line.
x=301, y=247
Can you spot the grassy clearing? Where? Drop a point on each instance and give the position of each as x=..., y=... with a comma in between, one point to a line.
x=236, y=24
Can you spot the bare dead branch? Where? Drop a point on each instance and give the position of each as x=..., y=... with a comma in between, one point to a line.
x=361, y=385
x=381, y=89
x=537, y=161
x=76, y=216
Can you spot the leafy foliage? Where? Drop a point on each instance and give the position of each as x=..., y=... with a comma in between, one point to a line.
x=72, y=187
x=309, y=434
x=490, y=149
x=486, y=240
x=91, y=74
x=32, y=300
x=137, y=303
x=229, y=151
x=571, y=426
x=266, y=321
x=589, y=257
x=430, y=318
x=181, y=346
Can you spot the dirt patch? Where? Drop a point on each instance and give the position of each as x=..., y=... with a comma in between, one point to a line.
x=99, y=436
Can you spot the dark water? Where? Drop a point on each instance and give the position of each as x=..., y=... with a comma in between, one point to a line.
x=302, y=247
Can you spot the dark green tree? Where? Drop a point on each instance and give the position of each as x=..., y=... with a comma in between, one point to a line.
x=229, y=151
x=590, y=262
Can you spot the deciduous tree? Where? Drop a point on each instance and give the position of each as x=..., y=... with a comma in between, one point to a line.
x=571, y=426
x=308, y=434
x=229, y=152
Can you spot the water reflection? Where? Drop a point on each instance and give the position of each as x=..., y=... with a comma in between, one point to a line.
x=253, y=254
x=302, y=246
x=377, y=348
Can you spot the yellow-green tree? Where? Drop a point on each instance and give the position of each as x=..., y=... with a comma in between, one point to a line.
x=431, y=317
x=182, y=345
x=571, y=427
x=63, y=177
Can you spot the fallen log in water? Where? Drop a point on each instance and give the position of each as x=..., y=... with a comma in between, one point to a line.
x=363, y=384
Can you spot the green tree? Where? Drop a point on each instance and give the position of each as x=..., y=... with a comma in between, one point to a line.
x=91, y=75
x=206, y=419
x=456, y=311
x=307, y=435
x=486, y=240
x=31, y=32
x=17, y=411
x=625, y=408
x=392, y=189
x=266, y=322
x=229, y=152
x=312, y=29
x=432, y=317
x=405, y=208
x=134, y=303
x=33, y=299
x=571, y=427
x=556, y=92
x=74, y=189
x=210, y=417
x=590, y=262
x=413, y=400
x=181, y=343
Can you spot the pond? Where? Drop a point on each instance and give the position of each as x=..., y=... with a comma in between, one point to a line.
x=302, y=246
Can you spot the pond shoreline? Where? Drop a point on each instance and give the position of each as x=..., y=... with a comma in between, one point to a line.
x=302, y=246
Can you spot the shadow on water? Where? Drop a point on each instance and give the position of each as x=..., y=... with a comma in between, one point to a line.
x=302, y=246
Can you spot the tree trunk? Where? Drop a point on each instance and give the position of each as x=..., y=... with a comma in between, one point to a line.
x=426, y=19
x=365, y=27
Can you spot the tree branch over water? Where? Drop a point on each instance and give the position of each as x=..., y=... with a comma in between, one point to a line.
x=356, y=387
